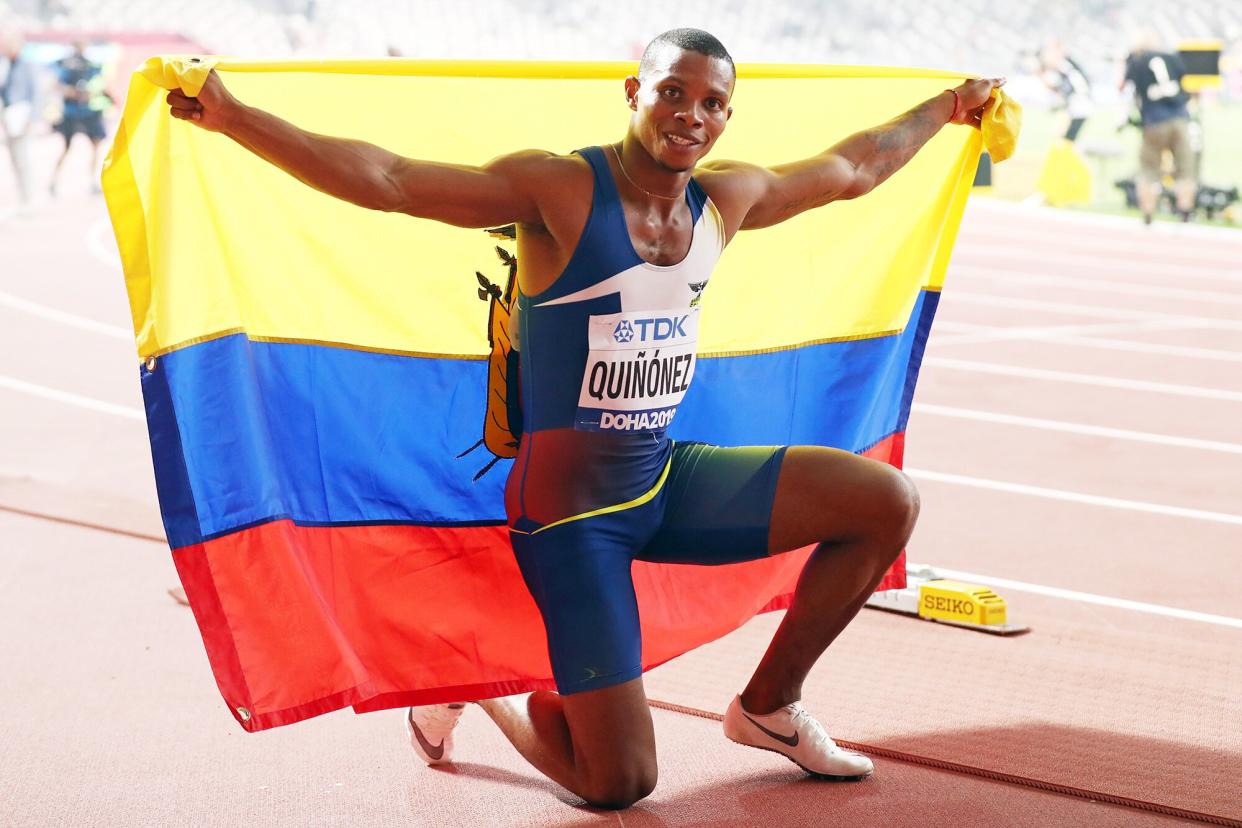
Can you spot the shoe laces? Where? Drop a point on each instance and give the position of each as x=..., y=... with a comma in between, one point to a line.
x=442, y=718
x=804, y=722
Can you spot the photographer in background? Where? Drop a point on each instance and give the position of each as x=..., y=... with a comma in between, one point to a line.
x=82, y=87
x=1156, y=77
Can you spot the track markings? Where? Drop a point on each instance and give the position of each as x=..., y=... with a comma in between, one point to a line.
x=994, y=256
x=1127, y=229
x=1090, y=598
x=1077, y=428
x=1019, y=331
x=70, y=398
x=1079, y=309
x=1214, y=297
x=71, y=319
x=967, y=332
x=982, y=334
x=1075, y=497
x=102, y=245
x=1097, y=380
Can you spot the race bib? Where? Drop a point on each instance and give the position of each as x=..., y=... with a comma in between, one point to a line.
x=638, y=369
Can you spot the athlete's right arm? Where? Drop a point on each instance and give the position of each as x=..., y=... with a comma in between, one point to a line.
x=499, y=192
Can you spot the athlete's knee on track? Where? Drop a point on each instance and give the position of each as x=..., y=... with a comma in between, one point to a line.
x=907, y=503
x=621, y=789
x=890, y=514
x=838, y=499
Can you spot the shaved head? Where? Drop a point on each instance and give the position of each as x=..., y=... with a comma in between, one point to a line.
x=686, y=40
x=680, y=98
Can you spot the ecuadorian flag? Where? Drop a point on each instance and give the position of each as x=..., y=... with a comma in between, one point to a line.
x=312, y=371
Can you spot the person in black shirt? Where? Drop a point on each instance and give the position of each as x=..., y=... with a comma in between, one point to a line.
x=81, y=85
x=1156, y=77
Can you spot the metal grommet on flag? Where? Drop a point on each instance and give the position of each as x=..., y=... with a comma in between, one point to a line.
x=150, y=363
x=243, y=714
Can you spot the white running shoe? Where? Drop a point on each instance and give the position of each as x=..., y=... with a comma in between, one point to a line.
x=431, y=731
x=792, y=731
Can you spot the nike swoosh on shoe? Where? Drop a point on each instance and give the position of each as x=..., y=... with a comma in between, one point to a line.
x=792, y=741
x=435, y=752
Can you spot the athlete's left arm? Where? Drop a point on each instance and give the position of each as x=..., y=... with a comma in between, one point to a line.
x=750, y=196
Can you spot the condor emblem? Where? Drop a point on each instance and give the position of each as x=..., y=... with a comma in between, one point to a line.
x=502, y=417
x=697, y=289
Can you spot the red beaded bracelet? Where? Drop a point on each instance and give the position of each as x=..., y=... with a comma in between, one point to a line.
x=957, y=102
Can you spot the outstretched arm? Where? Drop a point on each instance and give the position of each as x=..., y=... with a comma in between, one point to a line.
x=750, y=196
x=499, y=192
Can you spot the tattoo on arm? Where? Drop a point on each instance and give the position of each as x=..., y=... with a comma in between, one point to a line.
x=853, y=166
x=888, y=147
x=796, y=206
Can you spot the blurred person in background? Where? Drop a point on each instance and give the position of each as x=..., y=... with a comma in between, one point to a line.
x=85, y=100
x=18, y=94
x=1155, y=74
x=1063, y=75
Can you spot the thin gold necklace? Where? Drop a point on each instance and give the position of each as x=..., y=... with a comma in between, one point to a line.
x=621, y=164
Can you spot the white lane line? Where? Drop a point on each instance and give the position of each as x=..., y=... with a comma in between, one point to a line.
x=101, y=245
x=1097, y=380
x=972, y=333
x=1075, y=497
x=981, y=333
x=1100, y=285
x=1217, y=262
x=56, y=394
x=71, y=319
x=1078, y=328
x=1078, y=309
x=1138, y=347
x=1126, y=237
x=992, y=208
x=1076, y=428
x=1129, y=259
x=1090, y=598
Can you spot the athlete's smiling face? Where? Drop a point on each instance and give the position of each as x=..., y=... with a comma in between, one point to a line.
x=681, y=105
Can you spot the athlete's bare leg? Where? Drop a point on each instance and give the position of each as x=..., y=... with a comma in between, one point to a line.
x=861, y=513
x=599, y=744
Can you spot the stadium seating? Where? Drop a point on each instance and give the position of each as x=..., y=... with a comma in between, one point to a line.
x=953, y=34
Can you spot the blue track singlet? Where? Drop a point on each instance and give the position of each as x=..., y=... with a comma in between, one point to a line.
x=606, y=356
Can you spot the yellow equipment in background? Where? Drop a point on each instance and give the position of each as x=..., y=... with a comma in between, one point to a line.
x=1202, y=60
x=954, y=602
x=1065, y=178
x=933, y=598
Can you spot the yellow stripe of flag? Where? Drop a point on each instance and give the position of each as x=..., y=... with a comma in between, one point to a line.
x=215, y=240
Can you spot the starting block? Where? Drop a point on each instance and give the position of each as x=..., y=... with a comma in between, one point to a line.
x=932, y=598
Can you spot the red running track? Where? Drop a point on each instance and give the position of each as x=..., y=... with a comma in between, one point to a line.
x=1076, y=434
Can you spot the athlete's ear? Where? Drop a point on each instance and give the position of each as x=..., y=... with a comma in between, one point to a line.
x=728, y=113
x=632, y=85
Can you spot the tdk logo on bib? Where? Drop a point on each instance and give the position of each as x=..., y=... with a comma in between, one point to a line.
x=653, y=329
x=638, y=369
